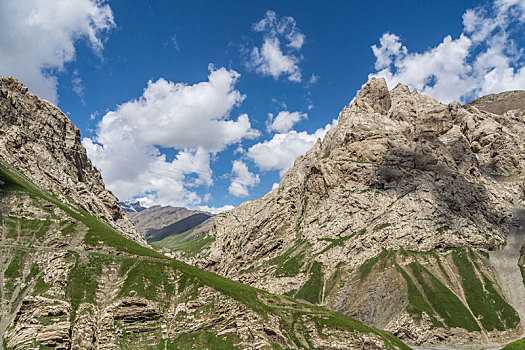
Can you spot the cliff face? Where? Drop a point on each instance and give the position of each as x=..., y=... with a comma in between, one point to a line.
x=70, y=280
x=401, y=198
x=40, y=140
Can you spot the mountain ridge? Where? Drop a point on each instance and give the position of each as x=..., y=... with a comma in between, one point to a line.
x=402, y=196
x=71, y=280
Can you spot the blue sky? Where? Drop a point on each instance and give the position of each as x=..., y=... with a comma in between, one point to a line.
x=206, y=104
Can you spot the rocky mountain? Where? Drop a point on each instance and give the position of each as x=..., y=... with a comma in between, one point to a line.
x=500, y=103
x=160, y=222
x=70, y=280
x=41, y=141
x=399, y=217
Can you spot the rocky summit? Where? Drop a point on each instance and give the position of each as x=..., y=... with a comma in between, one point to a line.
x=75, y=275
x=409, y=216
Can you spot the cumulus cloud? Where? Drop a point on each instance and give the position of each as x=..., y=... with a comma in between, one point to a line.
x=215, y=210
x=483, y=59
x=39, y=36
x=242, y=178
x=280, y=152
x=284, y=121
x=78, y=86
x=273, y=58
x=191, y=120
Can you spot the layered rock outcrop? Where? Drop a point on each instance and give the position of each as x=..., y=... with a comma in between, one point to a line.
x=41, y=141
x=70, y=281
x=404, y=180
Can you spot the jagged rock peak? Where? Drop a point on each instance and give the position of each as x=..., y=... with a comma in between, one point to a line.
x=376, y=95
x=400, y=172
x=38, y=139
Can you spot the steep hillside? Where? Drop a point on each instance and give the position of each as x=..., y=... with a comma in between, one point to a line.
x=40, y=140
x=390, y=219
x=68, y=280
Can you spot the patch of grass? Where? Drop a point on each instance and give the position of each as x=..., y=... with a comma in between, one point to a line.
x=381, y=226
x=41, y=232
x=312, y=289
x=148, y=278
x=289, y=263
x=41, y=287
x=83, y=282
x=334, y=242
x=516, y=345
x=201, y=340
x=366, y=267
x=442, y=229
x=12, y=230
x=416, y=301
x=485, y=302
x=446, y=304
x=334, y=280
x=32, y=273
x=13, y=270
x=197, y=245
x=68, y=229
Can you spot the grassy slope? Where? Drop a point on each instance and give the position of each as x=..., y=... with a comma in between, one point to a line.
x=517, y=345
x=189, y=246
x=149, y=265
x=432, y=295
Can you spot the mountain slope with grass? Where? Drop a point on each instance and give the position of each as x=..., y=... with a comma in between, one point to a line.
x=41, y=141
x=69, y=280
x=392, y=219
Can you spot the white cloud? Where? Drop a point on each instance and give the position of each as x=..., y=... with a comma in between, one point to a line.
x=284, y=121
x=313, y=79
x=280, y=152
x=483, y=59
x=215, y=210
x=242, y=178
x=191, y=120
x=39, y=36
x=78, y=86
x=270, y=59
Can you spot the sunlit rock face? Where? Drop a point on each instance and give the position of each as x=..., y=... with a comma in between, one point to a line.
x=402, y=184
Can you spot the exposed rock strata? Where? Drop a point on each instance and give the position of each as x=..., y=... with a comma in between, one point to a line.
x=41, y=141
x=400, y=172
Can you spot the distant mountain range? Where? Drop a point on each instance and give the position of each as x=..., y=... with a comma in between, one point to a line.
x=131, y=206
x=160, y=224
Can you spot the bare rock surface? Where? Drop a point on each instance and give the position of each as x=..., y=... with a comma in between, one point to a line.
x=41, y=141
x=70, y=281
x=500, y=103
x=400, y=178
